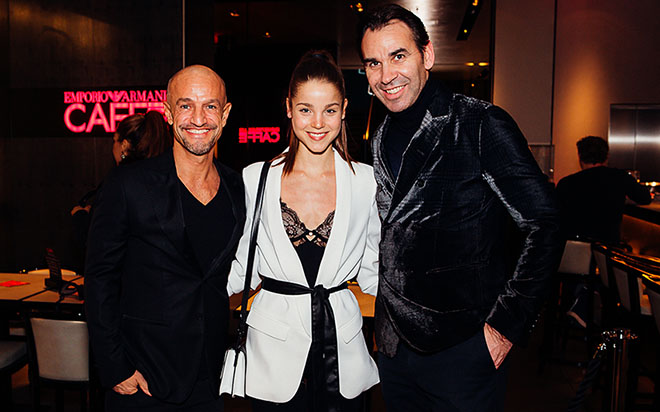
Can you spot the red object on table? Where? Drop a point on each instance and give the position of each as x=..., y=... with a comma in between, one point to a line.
x=11, y=283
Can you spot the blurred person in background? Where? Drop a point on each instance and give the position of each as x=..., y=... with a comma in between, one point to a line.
x=138, y=136
x=591, y=203
x=592, y=200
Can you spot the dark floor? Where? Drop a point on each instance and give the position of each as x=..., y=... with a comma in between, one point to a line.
x=528, y=390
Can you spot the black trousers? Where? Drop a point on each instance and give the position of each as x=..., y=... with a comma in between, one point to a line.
x=461, y=378
x=202, y=399
x=301, y=402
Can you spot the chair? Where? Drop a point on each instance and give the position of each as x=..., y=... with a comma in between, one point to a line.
x=610, y=314
x=628, y=279
x=628, y=275
x=576, y=268
x=653, y=291
x=13, y=356
x=59, y=357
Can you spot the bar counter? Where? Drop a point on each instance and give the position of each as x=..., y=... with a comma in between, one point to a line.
x=641, y=228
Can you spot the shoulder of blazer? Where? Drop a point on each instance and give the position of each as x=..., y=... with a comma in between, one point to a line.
x=231, y=177
x=252, y=172
x=141, y=172
x=145, y=170
x=364, y=174
x=362, y=169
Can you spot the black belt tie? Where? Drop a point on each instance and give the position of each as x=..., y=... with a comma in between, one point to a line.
x=323, y=352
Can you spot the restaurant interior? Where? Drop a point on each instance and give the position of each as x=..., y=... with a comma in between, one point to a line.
x=563, y=69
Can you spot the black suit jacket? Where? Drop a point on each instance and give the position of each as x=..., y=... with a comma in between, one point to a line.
x=445, y=263
x=149, y=305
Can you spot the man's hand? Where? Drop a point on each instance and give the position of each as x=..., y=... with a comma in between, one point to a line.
x=78, y=208
x=131, y=385
x=498, y=345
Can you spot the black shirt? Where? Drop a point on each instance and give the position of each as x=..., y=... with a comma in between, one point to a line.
x=403, y=126
x=592, y=202
x=208, y=231
x=207, y=227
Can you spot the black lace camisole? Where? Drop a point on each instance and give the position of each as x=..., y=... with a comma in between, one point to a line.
x=309, y=243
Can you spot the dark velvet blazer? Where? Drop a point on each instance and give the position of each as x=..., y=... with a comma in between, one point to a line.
x=149, y=304
x=445, y=265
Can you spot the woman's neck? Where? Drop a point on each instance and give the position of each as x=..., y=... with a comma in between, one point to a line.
x=314, y=164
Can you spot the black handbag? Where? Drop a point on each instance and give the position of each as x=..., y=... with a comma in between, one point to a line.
x=234, y=366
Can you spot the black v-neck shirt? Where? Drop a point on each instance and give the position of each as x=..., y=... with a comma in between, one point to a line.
x=209, y=227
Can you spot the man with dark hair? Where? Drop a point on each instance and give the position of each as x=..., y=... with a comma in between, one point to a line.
x=452, y=173
x=592, y=150
x=592, y=200
x=162, y=239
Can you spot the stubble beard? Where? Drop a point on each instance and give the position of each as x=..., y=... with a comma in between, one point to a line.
x=199, y=148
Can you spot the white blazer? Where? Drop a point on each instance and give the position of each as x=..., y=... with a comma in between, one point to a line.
x=279, y=332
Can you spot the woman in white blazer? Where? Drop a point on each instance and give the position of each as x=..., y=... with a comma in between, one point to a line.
x=305, y=348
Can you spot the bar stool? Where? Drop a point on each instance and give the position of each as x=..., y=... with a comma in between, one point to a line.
x=628, y=275
x=609, y=298
x=652, y=283
x=576, y=267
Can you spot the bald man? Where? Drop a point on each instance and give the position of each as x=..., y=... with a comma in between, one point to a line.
x=162, y=237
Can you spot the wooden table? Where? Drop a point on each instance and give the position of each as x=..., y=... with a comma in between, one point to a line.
x=34, y=294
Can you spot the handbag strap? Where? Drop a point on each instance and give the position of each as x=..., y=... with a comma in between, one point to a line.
x=242, y=325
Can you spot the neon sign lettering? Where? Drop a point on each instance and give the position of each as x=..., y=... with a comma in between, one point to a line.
x=258, y=134
x=106, y=108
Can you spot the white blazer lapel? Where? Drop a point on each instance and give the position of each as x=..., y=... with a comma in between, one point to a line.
x=285, y=253
x=334, y=249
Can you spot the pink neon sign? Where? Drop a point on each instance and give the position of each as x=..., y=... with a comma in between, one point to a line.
x=106, y=108
x=258, y=134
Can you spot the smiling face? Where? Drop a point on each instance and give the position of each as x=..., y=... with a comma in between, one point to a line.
x=196, y=108
x=396, y=69
x=316, y=113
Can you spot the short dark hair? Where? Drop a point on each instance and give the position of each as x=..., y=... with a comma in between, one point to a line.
x=592, y=150
x=379, y=17
x=316, y=65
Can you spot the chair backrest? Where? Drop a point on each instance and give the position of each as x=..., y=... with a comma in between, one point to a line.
x=576, y=258
x=654, y=298
x=600, y=256
x=47, y=271
x=62, y=349
x=628, y=284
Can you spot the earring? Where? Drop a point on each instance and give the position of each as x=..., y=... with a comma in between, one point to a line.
x=369, y=91
x=123, y=156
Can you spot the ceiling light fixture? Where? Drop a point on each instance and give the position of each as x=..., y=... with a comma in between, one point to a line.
x=359, y=7
x=469, y=19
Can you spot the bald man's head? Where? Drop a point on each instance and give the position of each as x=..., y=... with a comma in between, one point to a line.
x=196, y=108
x=198, y=72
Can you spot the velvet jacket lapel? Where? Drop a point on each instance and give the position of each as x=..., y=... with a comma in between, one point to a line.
x=421, y=146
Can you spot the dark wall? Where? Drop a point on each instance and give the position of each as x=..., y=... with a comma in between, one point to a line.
x=70, y=44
